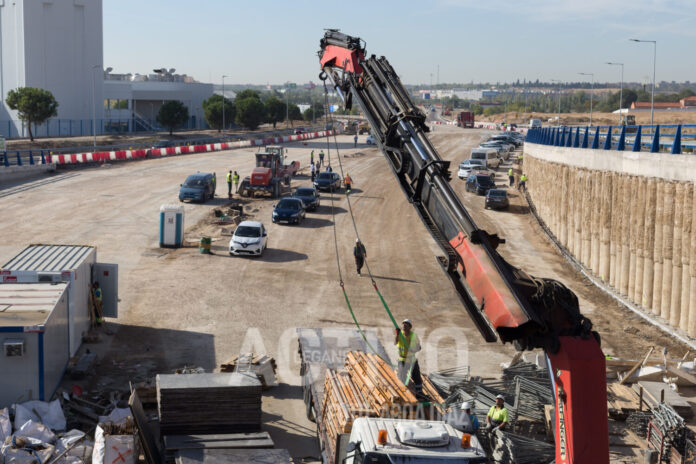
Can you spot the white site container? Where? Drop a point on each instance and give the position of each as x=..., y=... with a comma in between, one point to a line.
x=34, y=339
x=76, y=265
x=171, y=233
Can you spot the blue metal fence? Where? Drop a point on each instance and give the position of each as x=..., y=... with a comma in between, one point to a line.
x=655, y=138
x=14, y=129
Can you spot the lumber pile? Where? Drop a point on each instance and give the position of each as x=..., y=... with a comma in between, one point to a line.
x=621, y=400
x=208, y=403
x=341, y=404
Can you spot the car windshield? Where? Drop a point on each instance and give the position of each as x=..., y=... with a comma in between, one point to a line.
x=497, y=193
x=289, y=204
x=326, y=175
x=475, y=162
x=247, y=231
x=485, y=181
x=304, y=192
x=194, y=182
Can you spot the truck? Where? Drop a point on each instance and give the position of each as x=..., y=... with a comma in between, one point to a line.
x=535, y=124
x=407, y=440
x=270, y=172
x=504, y=302
x=465, y=119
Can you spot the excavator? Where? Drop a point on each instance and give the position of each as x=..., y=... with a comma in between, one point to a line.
x=504, y=302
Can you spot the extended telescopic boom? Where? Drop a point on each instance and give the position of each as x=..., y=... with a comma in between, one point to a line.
x=503, y=301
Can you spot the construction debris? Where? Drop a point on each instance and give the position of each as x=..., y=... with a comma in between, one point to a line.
x=509, y=447
x=208, y=403
x=263, y=366
x=655, y=393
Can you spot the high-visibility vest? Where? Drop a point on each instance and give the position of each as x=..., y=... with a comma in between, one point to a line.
x=403, y=348
x=229, y=178
x=510, y=172
x=348, y=180
x=523, y=178
x=236, y=178
x=98, y=294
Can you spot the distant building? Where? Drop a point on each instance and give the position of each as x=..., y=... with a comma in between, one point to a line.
x=54, y=45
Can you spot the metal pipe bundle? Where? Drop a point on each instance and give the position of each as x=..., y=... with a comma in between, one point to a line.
x=510, y=447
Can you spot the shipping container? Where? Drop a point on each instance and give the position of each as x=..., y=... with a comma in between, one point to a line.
x=75, y=264
x=34, y=333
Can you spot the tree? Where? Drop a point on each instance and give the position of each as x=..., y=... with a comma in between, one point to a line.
x=34, y=106
x=275, y=110
x=172, y=114
x=212, y=111
x=247, y=93
x=294, y=112
x=318, y=112
x=250, y=112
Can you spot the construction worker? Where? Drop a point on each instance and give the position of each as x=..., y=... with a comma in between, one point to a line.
x=98, y=302
x=229, y=184
x=408, y=344
x=313, y=170
x=359, y=253
x=523, y=182
x=355, y=141
x=348, y=182
x=235, y=179
x=311, y=157
x=328, y=168
x=511, y=175
x=462, y=419
x=214, y=184
x=321, y=158
x=497, y=417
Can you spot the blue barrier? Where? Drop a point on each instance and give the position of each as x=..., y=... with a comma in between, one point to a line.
x=655, y=138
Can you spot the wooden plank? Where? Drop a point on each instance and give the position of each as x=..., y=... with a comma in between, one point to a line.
x=636, y=366
x=682, y=374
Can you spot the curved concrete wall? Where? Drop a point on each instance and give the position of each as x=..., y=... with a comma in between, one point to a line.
x=628, y=217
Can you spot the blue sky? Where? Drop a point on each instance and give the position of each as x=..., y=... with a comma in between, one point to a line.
x=471, y=40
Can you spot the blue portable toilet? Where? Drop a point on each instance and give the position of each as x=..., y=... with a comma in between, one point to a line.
x=171, y=226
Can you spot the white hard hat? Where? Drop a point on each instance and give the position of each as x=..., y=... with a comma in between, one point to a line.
x=500, y=397
x=408, y=321
x=466, y=406
x=357, y=240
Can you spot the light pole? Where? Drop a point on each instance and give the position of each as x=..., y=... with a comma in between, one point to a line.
x=558, y=117
x=652, y=99
x=94, y=107
x=611, y=63
x=223, y=105
x=591, y=92
x=287, y=108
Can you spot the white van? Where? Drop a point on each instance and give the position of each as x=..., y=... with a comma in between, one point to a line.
x=488, y=155
x=535, y=123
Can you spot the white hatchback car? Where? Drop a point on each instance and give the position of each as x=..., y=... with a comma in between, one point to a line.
x=249, y=238
x=370, y=140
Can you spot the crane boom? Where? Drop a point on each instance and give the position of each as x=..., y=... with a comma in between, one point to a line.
x=503, y=301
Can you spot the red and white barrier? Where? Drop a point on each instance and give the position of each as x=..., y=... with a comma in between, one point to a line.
x=98, y=157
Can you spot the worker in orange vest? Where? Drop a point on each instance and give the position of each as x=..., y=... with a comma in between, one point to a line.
x=347, y=181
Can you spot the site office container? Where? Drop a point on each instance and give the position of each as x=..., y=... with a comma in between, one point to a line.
x=75, y=264
x=34, y=336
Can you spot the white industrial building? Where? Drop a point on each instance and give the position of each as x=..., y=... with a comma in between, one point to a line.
x=57, y=45
x=54, y=45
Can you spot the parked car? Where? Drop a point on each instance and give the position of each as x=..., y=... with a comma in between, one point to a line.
x=479, y=184
x=330, y=181
x=488, y=156
x=309, y=196
x=468, y=167
x=370, y=140
x=497, y=199
x=198, y=187
x=249, y=238
x=300, y=130
x=163, y=144
x=289, y=210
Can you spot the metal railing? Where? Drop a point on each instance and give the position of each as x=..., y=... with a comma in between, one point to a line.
x=653, y=138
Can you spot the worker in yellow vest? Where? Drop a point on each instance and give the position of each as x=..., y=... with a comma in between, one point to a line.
x=523, y=182
x=235, y=179
x=408, y=344
x=229, y=184
x=511, y=175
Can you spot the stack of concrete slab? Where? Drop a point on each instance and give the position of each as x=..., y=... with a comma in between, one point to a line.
x=208, y=403
x=238, y=456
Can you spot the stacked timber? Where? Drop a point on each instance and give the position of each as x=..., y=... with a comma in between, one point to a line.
x=208, y=403
x=341, y=405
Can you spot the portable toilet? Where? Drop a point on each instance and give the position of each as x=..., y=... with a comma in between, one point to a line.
x=171, y=226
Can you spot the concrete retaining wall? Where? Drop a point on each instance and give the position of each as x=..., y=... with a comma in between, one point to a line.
x=9, y=174
x=628, y=217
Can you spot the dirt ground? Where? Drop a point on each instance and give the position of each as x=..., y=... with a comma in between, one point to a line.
x=602, y=119
x=181, y=308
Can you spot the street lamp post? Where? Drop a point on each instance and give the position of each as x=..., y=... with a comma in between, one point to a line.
x=591, y=92
x=94, y=107
x=223, y=105
x=558, y=116
x=652, y=99
x=611, y=63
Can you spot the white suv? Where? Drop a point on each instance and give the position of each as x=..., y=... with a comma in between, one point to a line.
x=249, y=238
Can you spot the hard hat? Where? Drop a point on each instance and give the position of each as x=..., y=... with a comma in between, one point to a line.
x=408, y=321
x=500, y=397
x=466, y=406
x=357, y=240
